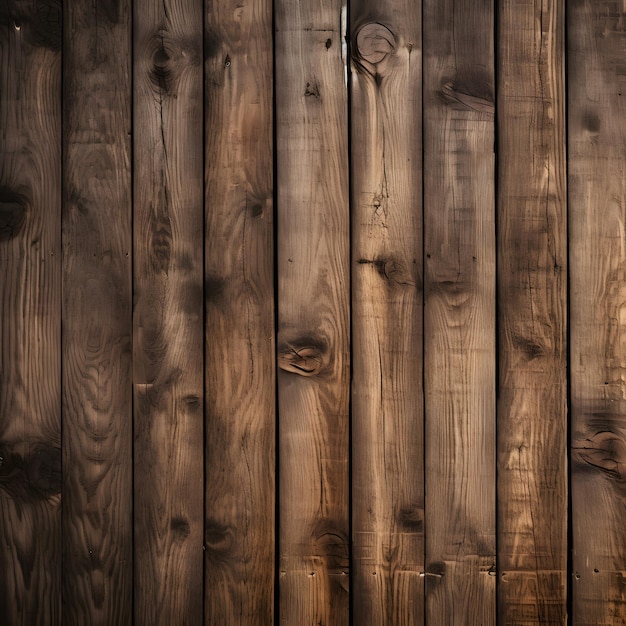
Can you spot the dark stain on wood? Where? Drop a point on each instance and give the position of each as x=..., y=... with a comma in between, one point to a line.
x=39, y=22
x=411, y=518
x=30, y=472
x=212, y=45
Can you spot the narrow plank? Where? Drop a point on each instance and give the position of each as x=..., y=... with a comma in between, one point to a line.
x=97, y=325
x=168, y=327
x=597, y=134
x=387, y=394
x=313, y=311
x=239, y=296
x=459, y=312
x=30, y=312
x=532, y=314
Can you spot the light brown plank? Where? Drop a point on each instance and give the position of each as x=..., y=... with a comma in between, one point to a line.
x=532, y=314
x=239, y=294
x=597, y=187
x=459, y=313
x=97, y=325
x=30, y=313
x=168, y=312
x=387, y=394
x=313, y=308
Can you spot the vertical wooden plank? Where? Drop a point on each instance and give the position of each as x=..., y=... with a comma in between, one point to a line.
x=597, y=188
x=239, y=295
x=30, y=309
x=387, y=394
x=97, y=326
x=532, y=314
x=313, y=307
x=168, y=325
x=459, y=313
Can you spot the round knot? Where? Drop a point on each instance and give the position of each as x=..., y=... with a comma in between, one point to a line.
x=374, y=42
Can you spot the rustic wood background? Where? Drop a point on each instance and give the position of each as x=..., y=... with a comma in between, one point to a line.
x=312, y=314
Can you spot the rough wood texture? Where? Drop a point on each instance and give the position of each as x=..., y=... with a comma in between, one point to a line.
x=532, y=314
x=313, y=305
x=97, y=326
x=459, y=313
x=240, y=355
x=387, y=396
x=597, y=187
x=30, y=308
x=168, y=315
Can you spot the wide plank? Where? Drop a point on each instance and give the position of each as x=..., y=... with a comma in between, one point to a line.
x=532, y=314
x=30, y=313
x=459, y=311
x=387, y=393
x=313, y=311
x=97, y=308
x=168, y=326
x=239, y=299
x=597, y=187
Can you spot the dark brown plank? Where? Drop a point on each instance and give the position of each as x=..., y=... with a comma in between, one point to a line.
x=30, y=312
x=239, y=294
x=597, y=187
x=459, y=313
x=168, y=311
x=387, y=394
x=532, y=314
x=313, y=311
x=97, y=325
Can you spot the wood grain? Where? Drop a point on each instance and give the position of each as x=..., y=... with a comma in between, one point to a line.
x=239, y=296
x=168, y=353
x=532, y=315
x=387, y=394
x=30, y=313
x=313, y=311
x=97, y=324
x=597, y=133
x=459, y=313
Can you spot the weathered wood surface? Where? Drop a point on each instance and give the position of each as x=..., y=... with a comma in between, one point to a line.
x=387, y=396
x=168, y=353
x=97, y=324
x=597, y=134
x=239, y=295
x=459, y=311
x=313, y=311
x=30, y=313
x=532, y=315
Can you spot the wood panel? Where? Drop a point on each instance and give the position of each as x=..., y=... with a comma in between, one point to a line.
x=387, y=395
x=459, y=312
x=97, y=325
x=168, y=354
x=313, y=311
x=532, y=315
x=30, y=308
x=597, y=134
x=239, y=296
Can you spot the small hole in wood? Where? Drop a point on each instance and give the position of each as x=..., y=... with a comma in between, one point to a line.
x=17, y=25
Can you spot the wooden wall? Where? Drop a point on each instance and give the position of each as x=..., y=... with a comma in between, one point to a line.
x=312, y=314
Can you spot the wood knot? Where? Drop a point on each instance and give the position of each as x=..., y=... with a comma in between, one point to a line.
x=307, y=357
x=12, y=213
x=374, y=42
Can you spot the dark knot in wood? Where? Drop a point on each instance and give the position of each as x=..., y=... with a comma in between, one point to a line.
x=374, y=42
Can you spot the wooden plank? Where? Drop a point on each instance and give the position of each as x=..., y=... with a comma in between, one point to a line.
x=313, y=311
x=30, y=312
x=239, y=295
x=387, y=394
x=532, y=314
x=168, y=322
x=97, y=325
x=459, y=312
x=597, y=187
